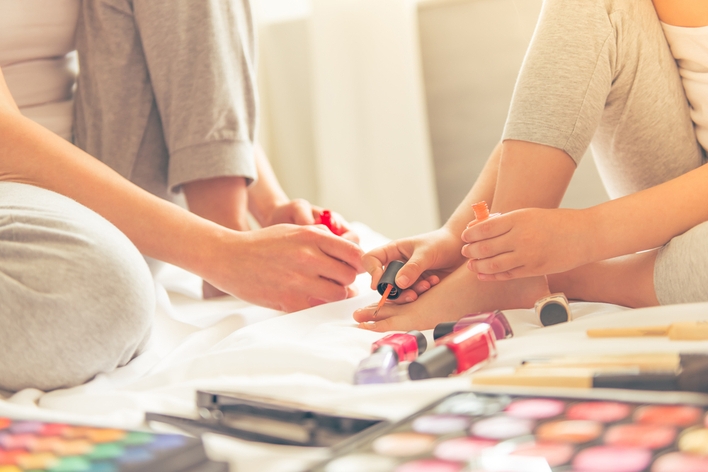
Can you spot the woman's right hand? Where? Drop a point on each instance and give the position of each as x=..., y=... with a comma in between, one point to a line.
x=285, y=267
x=428, y=257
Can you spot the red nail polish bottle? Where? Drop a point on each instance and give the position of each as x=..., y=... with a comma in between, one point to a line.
x=456, y=353
x=407, y=345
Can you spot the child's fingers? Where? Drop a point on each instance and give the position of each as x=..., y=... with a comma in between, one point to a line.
x=494, y=265
x=489, y=228
x=487, y=248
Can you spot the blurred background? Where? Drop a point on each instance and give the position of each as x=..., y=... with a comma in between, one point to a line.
x=386, y=110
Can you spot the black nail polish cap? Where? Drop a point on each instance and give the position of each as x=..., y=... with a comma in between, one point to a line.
x=420, y=339
x=438, y=362
x=389, y=278
x=443, y=329
x=553, y=313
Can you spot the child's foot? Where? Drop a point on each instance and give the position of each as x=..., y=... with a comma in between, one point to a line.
x=457, y=295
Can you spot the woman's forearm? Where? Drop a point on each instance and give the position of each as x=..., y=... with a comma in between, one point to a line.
x=650, y=218
x=33, y=155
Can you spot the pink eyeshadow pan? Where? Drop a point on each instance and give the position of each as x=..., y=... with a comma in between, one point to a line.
x=430, y=465
x=651, y=436
x=462, y=449
x=612, y=459
x=403, y=444
x=535, y=408
x=680, y=462
x=606, y=412
x=555, y=453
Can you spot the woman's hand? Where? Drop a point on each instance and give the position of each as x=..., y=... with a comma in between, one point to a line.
x=285, y=267
x=528, y=242
x=429, y=257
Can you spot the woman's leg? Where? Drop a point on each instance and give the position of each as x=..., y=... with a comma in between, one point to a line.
x=76, y=297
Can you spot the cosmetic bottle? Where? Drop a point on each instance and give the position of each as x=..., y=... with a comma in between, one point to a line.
x=386, y=353
x=456, y=353
x=389, y=278
x=495, y=319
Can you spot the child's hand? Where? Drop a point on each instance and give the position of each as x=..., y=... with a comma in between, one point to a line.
x=528, y=242
x=429, y=258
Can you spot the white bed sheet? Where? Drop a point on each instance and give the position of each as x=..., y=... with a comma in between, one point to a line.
x=308, y=357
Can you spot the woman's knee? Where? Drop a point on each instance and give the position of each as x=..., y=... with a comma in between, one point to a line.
x=681, y=268
x=77, y=297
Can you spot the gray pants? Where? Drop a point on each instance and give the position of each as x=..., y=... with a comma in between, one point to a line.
x=76, y=297
x=599, y=73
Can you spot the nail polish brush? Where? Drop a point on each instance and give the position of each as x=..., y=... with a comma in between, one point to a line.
x=387, y=284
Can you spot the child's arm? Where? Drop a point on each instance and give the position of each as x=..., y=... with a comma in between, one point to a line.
x=534, y=241
x=285, y=267
x=689, y=13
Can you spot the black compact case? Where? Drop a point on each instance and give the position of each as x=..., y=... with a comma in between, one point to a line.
x=271, y=421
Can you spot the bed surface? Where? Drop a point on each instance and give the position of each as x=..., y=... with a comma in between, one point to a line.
x=308, y=357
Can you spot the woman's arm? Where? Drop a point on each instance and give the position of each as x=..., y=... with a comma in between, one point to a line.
x=691, y=13
x=285, y=267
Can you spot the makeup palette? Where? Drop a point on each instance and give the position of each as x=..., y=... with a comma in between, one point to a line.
x=54, y=447
x=483, y=432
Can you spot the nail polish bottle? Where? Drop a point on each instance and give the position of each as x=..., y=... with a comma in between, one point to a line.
x=326, y=219
x=386, y=353
x=456, y=353
x=389, y=278
x=496, y=319
x=553, y=309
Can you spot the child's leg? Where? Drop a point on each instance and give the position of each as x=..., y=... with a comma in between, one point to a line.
x=76, y=297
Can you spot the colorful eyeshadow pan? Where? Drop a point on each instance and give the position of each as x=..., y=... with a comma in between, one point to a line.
x=462, y=449
x=650, y=436
x=441, y=424
x=536, y=408
x=555, y=453
x=612, y=459
x=502, y=427
x=572, y=431
x=605, y=412
x=360, y=462
x=679, y=462
x=676, y=415
x=430, y=465
x=35, y=446
x=694, y=441
x=403, y=444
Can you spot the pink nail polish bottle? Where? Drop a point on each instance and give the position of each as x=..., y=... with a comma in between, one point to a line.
x=496, y=319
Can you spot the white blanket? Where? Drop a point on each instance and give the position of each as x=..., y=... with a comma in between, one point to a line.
x=308, y=357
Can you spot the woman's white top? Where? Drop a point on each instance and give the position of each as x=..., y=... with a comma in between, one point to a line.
x=37, y=58
x=690, y=48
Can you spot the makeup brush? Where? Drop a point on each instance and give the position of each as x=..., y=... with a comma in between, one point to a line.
x=683, y=331
x=387, y=284
x=656, y=361
x=692, y=378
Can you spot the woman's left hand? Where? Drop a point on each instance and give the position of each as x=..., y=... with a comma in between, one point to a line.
x=301, y=212
x=528, y=242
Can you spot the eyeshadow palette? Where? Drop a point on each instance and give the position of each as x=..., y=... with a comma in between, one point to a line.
x=54, y=447
x=482, y=432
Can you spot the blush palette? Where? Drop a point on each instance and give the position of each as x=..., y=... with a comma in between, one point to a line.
x=37, y=446
x=480, y=432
